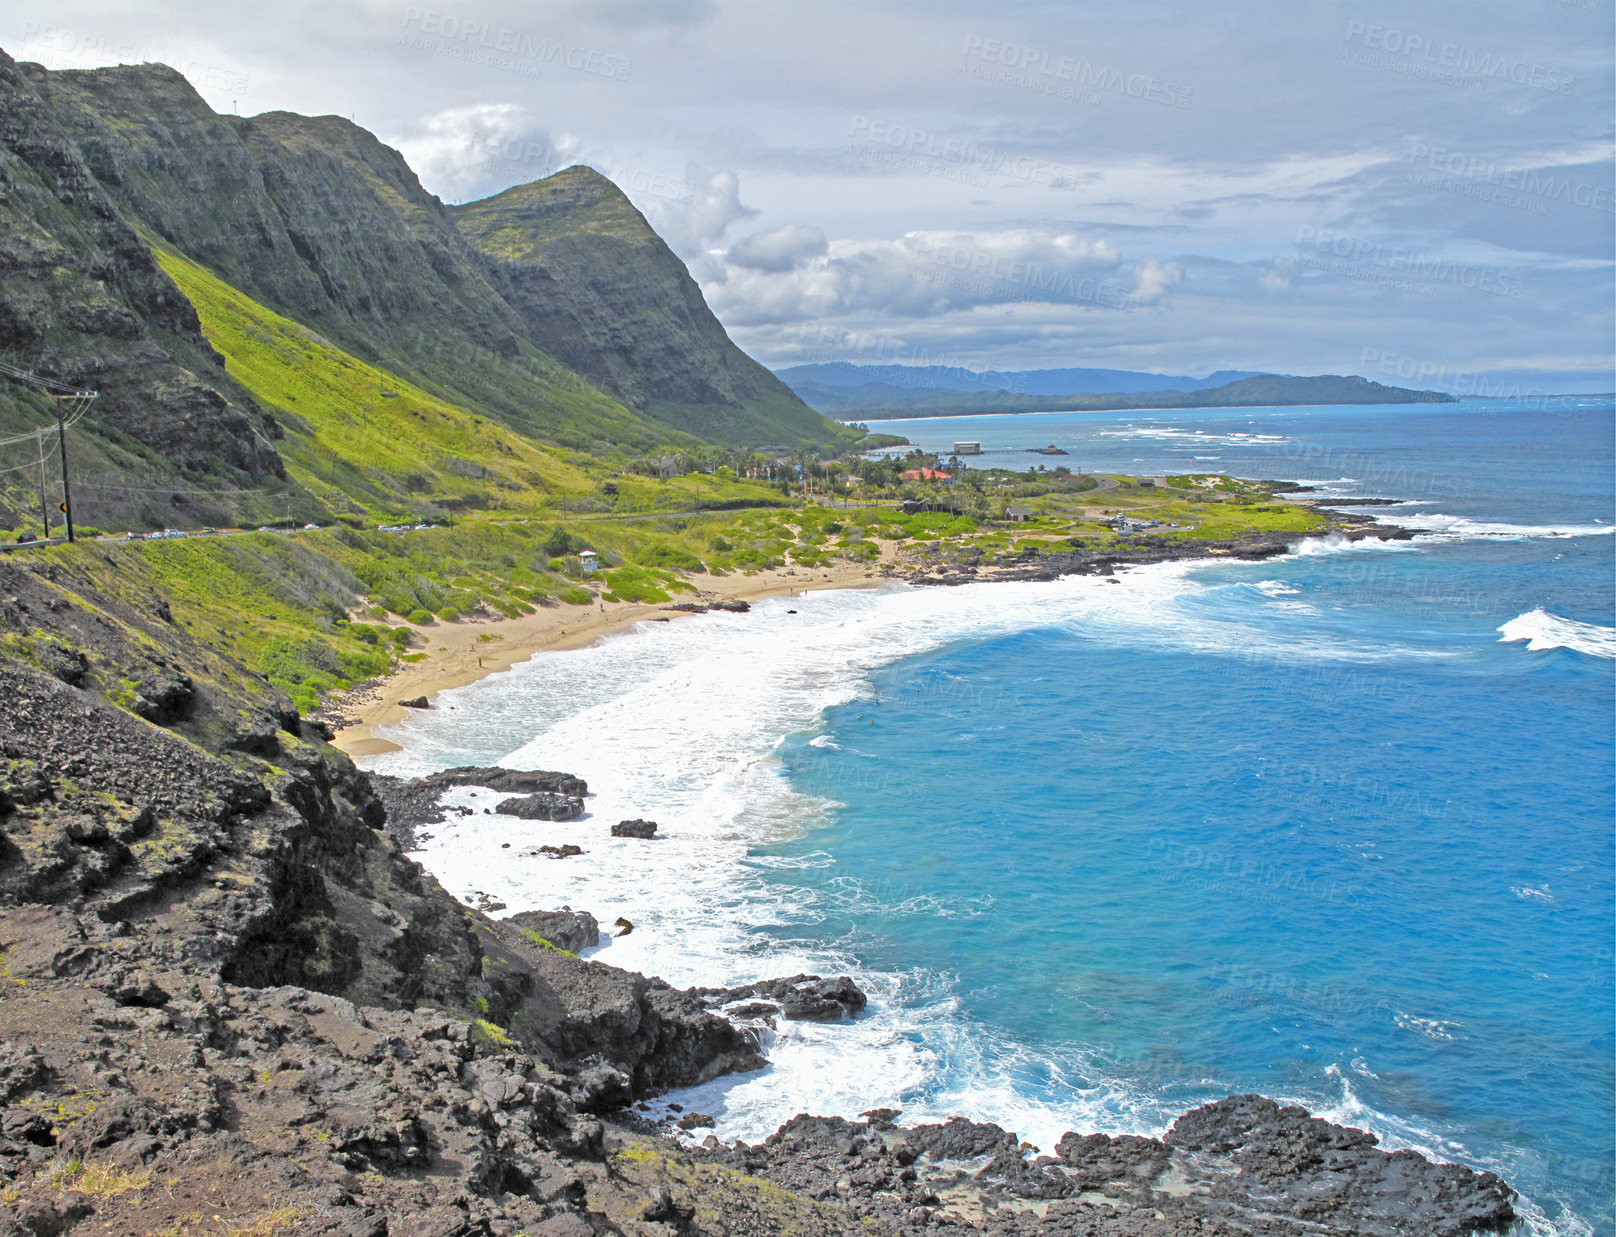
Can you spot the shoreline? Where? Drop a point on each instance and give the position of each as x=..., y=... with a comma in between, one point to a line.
x=465, y=652
x=470, y=650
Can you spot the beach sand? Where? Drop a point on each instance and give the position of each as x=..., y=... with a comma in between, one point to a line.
x=463, y=652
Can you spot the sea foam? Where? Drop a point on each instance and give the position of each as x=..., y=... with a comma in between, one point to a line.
x=1542, y=630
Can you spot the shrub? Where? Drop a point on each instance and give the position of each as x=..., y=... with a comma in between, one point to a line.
x=638, y=584
x=560, y=543
x=668, y=558
x=296, y=661
x=419, y=617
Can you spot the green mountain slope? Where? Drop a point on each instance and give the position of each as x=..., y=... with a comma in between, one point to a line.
x=315, y=218
x=598, y=289
x=318, y=220
x=360, y=439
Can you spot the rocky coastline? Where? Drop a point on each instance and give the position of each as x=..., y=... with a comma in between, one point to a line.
x=1141, y=548
x=230, y=1003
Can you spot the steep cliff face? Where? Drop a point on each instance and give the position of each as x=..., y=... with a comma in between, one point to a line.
x=83, y=301
x=317, y=219
x=596, y=336
x=600, y=290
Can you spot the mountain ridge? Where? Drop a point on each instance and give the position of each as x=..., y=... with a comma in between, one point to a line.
x=1024, y=381
x=877, y=401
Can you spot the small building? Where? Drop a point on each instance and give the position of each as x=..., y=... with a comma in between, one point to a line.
x=967, y=448
x=589, y=562
x=926, y=474
x=1020, y=515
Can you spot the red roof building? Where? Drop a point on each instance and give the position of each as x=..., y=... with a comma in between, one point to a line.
x=926, y=474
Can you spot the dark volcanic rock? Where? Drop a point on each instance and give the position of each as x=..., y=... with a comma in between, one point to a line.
x=566, y=928
x=511, y=781
x=802, y=998
x=634, y=829
x=1239, y=1167
x=165, y=700
x=541, y=806
x=414, y=802
x=415, y=702
x=585, y=1013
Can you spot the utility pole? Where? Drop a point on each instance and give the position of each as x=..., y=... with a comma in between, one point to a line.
x=44, y=507
x=67, y=494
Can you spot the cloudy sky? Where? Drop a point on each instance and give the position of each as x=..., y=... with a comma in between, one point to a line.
x=1418, y=192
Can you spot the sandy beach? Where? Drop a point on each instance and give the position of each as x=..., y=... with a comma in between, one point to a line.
x=463, y=652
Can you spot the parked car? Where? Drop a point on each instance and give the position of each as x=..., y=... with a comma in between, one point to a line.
x=25, y=538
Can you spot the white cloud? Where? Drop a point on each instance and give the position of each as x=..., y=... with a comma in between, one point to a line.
x=1278, y=278
x=711, y=206
x=923, y=275
x=1152, y=278
x=779, y=249
x=470, y=152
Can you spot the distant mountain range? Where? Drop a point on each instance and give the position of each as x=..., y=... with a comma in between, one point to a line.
x=890, y=392
x=1016, y=382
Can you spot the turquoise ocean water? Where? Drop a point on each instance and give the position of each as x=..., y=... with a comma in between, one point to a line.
x=1337, y=827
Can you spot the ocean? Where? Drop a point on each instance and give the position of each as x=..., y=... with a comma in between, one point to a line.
x=1336, y=827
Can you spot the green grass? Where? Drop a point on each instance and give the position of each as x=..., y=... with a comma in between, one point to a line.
x=364, y=440
x=542, y=943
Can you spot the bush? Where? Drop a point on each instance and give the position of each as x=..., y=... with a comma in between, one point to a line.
x=575, y=596
x=419, y=617
x=449, y=615
x=638, y=584
x=668, y=558
x=560, y=543
x=291, y=662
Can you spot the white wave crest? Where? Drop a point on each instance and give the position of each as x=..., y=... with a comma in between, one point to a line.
x=1438, y=527
x=1337, y=543
x=1542, y=630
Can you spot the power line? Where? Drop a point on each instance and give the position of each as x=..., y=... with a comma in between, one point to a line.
x=51, y=384
x=152, y=489
x=64, y=395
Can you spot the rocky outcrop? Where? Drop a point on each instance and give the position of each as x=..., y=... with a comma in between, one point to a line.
x=802, y=998
x=510, y=781
x=412, y=803
x=1240, y=1166
x=541, y=806
x=625, y=1035
x=634, y=829
x=565, y=929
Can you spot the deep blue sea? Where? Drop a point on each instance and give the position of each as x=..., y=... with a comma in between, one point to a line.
x=1336, y=827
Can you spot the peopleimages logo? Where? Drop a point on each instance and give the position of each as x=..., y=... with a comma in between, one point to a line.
x=478, y=42
x=1027, y=65
x=1522, y=183
x=921, y=150
x=1358, y=257
x=1439, y=59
